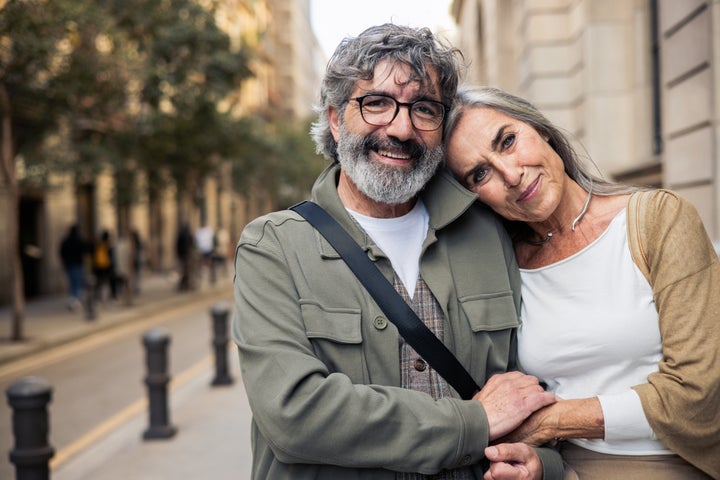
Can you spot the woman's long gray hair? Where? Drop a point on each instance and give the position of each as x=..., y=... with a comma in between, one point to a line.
x=356, y=58
x=513, y=106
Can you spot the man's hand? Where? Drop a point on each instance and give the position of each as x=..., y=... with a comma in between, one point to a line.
x=509, y=398
x=513, y=461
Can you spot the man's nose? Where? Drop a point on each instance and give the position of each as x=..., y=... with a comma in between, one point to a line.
x=401, y=127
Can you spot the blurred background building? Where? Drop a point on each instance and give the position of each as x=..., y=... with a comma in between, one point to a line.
x=636, y=82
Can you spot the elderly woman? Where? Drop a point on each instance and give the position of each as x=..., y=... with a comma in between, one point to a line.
x=621, y=297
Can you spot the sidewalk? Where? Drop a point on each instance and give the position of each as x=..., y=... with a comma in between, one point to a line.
x=49, y=322
x=212, y=439
x=213, y=423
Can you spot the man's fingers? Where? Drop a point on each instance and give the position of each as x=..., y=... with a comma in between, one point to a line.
x=540, y=400
x=508, y=382
x=512, y=461
x=509, y=453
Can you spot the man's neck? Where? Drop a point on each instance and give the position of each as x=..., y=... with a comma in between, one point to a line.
x=355, y=200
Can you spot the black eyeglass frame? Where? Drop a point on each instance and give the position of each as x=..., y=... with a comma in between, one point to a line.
x=399, y=104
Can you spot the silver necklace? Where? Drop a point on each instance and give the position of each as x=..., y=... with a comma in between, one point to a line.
x=549, y=234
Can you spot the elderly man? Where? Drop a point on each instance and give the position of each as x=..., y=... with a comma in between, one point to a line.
x=335, y=391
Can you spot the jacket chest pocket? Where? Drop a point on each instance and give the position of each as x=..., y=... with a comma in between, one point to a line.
x=336, y=338
x=493, y=320
x=490, y=312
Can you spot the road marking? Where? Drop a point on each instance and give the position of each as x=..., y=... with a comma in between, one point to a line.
x=125, y=415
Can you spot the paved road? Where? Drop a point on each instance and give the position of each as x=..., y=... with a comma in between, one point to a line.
x=99, y=412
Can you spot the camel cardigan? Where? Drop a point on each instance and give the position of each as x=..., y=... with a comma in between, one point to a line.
x=682, y=400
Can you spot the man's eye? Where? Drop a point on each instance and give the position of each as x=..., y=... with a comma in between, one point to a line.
x=377, y=103
x=427, y=109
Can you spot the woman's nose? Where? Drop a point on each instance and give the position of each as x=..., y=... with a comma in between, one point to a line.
x=511, y=172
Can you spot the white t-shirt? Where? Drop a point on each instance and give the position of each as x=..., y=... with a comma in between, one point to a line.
x=590, y=328
x=401, y=239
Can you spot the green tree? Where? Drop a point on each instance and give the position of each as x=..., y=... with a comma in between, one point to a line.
x=184, y=124
x=43, y=80
x=281, y=157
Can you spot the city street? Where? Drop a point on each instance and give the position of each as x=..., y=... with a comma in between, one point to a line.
x=98, y=411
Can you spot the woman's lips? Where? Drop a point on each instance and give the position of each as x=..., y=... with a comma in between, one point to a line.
x=530, y=191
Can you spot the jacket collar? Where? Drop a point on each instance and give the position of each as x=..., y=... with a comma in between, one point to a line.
x=444, y=198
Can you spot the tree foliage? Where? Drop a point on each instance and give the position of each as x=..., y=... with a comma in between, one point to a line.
x=281, y=157
x=138, y=85
x=119, y=81
x=189, y=71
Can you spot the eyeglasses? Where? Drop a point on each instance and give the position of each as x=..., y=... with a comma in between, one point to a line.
x=381, y=110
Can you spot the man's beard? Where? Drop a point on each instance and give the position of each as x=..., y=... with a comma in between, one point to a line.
x=385, y=183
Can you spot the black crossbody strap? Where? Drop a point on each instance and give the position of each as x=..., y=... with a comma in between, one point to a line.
x=412, y=329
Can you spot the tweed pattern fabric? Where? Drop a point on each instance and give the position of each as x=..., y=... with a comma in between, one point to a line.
x=417, y=374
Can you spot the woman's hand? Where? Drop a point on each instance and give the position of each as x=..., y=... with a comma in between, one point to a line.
x=538, y=429
x=579, y=418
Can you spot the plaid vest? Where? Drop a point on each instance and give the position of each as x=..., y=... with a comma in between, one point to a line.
x=416, y=374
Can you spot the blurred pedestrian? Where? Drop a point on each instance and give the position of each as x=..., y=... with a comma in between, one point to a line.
x=205, y=244
x=103, y=266
x=123, y=266
x=222, y=249
x=72, y=252
x=183, y=250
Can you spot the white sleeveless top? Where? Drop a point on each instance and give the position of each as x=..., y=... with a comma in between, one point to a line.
x=590, y=328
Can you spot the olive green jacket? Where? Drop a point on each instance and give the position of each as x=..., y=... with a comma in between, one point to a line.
x=321, y=364
x=682, y=400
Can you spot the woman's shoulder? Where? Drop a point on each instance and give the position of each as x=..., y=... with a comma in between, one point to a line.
x=609, y=206
x=661, y=206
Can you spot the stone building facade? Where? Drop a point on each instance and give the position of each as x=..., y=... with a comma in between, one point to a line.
x=636, y=82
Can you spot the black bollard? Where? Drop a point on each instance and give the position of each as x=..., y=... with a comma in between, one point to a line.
x=89, y=303
x=28, y=398
x=219, y=314
x=156, y=341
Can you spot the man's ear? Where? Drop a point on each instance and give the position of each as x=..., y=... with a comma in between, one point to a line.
x=334, y=121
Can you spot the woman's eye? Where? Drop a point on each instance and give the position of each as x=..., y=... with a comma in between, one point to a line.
x=508, y=141
x=478, y=176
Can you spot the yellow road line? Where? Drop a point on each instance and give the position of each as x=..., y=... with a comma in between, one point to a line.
x=114, y=422
x=93, y=340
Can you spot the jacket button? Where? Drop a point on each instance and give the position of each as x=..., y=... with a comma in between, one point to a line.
x=380, y=322
x=420, y=365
